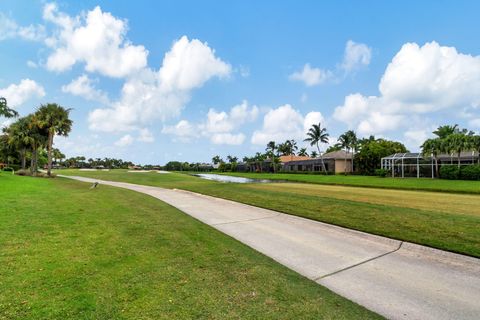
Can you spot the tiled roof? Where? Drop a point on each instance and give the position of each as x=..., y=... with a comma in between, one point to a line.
x=289, y=158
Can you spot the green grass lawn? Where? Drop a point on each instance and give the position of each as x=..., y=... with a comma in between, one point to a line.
x=70, y=252
x=435, y=219
x=440, y=185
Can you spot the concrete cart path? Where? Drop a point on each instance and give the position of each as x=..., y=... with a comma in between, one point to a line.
x=398, y=280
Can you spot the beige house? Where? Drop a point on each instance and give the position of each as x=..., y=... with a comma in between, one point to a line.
x=335, y=162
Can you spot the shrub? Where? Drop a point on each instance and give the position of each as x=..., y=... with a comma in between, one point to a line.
x=22, y=172
x=9, y=169
x=450, y=172
x=381, y=172
x=471, y=172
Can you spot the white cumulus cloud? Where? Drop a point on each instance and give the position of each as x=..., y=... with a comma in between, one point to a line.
x=285, y=123
x=356, y=55
x=311, y=76
x=18, y=94
x=96, y=39
x=220, y=127
x=145, y=136
x=83, y=86
x=124, y=141
x=152, y=95
x=419, y=80
x=183, y=131
x=10, y=29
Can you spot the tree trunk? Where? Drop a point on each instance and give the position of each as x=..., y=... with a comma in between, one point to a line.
x=459, y=160
x=34, y=160
x=49, y=153
x=321, y=159
x=24, y=158
x=345, y=163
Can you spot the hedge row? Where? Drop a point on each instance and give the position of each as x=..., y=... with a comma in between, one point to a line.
x=471, y=172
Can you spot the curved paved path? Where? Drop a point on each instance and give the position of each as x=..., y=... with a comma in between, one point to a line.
x=398, y=280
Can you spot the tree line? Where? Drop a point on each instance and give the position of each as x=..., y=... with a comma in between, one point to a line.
x=367, y=151
x=451, y=140
x=29, y=136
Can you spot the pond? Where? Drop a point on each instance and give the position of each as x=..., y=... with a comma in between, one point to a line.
x=222, y=178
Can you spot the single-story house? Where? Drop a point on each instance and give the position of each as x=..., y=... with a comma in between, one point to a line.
x=335, y=162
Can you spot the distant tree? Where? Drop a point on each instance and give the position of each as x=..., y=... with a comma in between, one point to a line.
x=316, y=135
x=232, y=159
x=57, y=155
x=303, y=152
x=217, y=160
x=314, y=154
x=372, y=150
x=289, y=147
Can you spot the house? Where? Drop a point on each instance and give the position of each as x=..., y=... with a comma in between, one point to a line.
x=335, y=162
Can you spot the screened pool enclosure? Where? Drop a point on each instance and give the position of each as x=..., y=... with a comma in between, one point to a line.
x=405, y=165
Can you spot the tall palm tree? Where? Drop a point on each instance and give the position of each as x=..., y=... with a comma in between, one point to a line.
x=352, y=137
x=316, y=135
x=55, y=119
x=457, y=142
x=5, y=111
x=37, y=139
x=270, y=149
x=432, y=147
x=19, y=136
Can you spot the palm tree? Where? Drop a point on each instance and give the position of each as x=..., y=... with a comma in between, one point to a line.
x=270, y=149
x=232, y=159
x=303, y=152
x=476, y=145
x=5, y=111
x=444, y=131
x=352, y=136
x=37, y=140
x=18, y=136
x=315, y=135
x=457, y=142
x=433, y=147
x=288, y=147
x=55, y=119
x=345, y=143
x=217, y=160
x=313, y=154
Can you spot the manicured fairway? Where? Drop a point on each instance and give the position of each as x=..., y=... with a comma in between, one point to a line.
x=457, y=186
x=446, y=221
x=70, y=252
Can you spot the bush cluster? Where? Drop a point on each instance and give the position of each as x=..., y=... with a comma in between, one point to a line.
x=452, y=172
x=381, y=172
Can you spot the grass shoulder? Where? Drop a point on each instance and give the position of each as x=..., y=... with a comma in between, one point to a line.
x=68, y=251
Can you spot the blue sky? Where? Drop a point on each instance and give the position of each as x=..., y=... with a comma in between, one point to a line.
x=153, y=81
